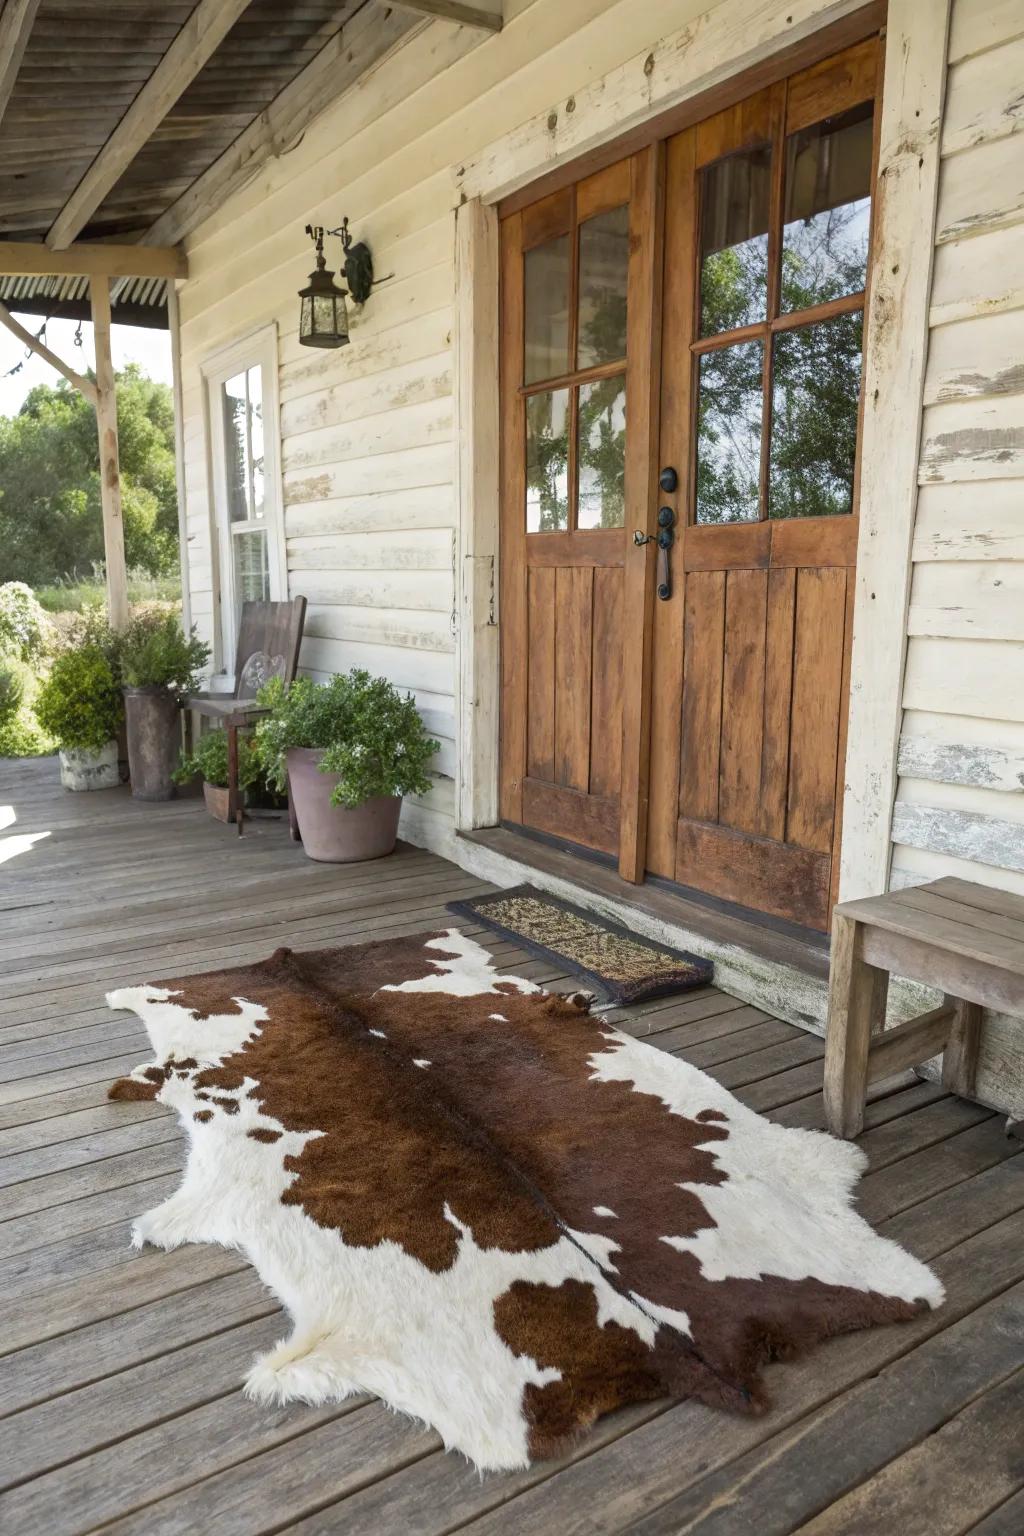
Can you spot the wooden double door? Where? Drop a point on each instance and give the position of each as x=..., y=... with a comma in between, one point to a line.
x=681, y=370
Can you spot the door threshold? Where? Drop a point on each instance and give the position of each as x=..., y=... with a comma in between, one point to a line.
x=783, y=972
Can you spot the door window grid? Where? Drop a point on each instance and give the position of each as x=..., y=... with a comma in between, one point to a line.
x=248, y=525
x=575, y=417
x=736, y=479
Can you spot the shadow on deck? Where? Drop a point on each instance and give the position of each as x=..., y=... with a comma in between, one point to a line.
x=119, y=1388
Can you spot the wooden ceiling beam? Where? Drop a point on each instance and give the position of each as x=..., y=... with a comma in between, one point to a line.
x=354, y=50
x=86, y=386
x=197, y=41
x=454, y=10
x=25, y=258
x=15, y=25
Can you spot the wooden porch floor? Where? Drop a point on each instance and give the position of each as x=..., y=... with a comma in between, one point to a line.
x=119, y=1384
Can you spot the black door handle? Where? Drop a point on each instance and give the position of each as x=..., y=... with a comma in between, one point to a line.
x=666, y=538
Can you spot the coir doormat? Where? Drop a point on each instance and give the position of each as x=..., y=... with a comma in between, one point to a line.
x=625, y=966
x=490, y=1208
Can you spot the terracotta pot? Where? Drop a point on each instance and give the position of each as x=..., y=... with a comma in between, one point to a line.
x=216, y=798
x=90, y=770
x=338, y=834
x=154, y=739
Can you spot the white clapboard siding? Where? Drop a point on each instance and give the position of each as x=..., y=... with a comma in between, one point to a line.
x=966, y=677
x=426, y=631
x=963, y=834
x=960, y=798
x=428, y=549
x=975, y=765
x=983, y=356
x=916, y=866
x=983, y=599
x=425, y=506
x=982, y=190
x=983, y=98
x=418, y=591
x=978, y=25
x=405, y=426
x=985, y=522
x=973, y=440
x=404, y=470
x=428, y=335
x=995, y=804
x=359, y=397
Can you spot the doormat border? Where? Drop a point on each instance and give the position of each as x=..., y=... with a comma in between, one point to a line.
x=693, y=972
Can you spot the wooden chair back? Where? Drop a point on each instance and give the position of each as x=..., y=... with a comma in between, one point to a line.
x=269, y=637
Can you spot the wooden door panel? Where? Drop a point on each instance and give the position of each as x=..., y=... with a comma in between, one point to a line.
x=703, y=645
x=754, y=871
x=573, y=641
x=818, y=647
x=567, y=813
x=778, y=690
x=754, y=640
x=742, y=700
x=540, y=717
x=606, y=685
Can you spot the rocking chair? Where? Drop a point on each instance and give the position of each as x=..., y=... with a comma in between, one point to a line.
x=269, y=637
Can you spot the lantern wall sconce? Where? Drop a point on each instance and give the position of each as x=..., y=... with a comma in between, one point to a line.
x=323, y=320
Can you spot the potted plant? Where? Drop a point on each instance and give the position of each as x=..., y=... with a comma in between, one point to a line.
x=347, y=751
x=81, y=707
x=160, y=666
x=209, y=760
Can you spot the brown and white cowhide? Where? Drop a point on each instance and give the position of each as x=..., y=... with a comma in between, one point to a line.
x=494, y=1211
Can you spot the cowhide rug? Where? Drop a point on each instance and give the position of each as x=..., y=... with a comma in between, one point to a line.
x=492, y=1210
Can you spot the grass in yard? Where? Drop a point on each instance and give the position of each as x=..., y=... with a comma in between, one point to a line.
x=70, y=595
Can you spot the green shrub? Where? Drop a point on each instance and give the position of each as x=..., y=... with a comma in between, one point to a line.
x=80, y=703
x=156, y=653
x=209, y=759
x=12, y=690
x=23, y=624
x=374, y=738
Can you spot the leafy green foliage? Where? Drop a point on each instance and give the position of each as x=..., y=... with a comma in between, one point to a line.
x=80, y=703
x=23, y=624
x=209, y=759
x=50, y=518
x=12, y=691
x=156, y=653
x=374, y=738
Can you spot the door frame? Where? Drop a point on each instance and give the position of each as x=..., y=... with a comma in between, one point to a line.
x=614, y=116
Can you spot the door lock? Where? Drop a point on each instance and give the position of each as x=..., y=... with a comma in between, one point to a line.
x=668, y=479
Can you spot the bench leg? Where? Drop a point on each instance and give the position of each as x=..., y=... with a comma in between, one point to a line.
x=960, y=1058
x=234, y=793
x=857, y=996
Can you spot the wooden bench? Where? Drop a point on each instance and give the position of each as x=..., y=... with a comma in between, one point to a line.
x=965, y=939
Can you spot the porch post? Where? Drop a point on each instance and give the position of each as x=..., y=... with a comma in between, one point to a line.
x=110, y=472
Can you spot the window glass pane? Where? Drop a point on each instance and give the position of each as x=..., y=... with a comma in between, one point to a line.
x=236, y=448
x=729, y=434
x=827, y=210
x=604, y=263
x=546, y=301
x=252, y=572
x=256, y=439
x=734, y=241
x=816, y=385
x=601, y=499
x=547, y=461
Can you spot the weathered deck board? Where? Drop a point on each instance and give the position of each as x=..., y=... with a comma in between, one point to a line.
x=119, y=1400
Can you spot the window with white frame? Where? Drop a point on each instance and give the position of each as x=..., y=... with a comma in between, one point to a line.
x=244, y=434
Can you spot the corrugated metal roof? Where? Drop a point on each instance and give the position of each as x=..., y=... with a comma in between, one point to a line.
x=134, y=300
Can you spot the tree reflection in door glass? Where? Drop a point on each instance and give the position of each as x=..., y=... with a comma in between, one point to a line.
x=815, y=391
x=547, y=461
x=828, y=210
x=601, y=501
x=734, y=241
x=729, y=401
